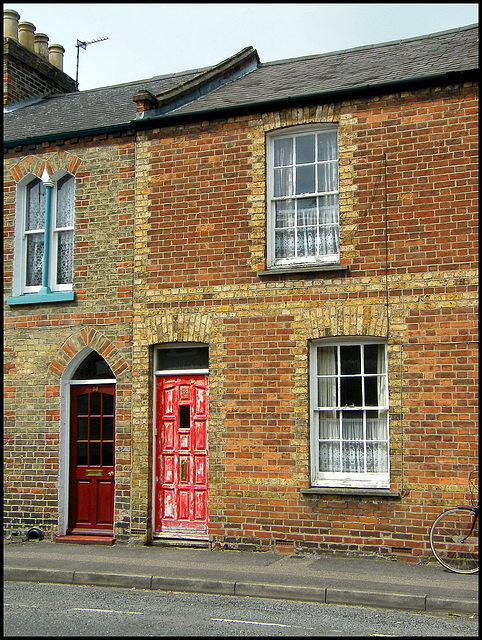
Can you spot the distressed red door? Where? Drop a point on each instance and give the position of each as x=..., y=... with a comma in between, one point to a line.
x=181, y=496
x=91, y=497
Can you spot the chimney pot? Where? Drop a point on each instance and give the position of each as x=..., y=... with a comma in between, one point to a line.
x=56, y=56
x=26, y=32
x=10, y=24
x=41, y=42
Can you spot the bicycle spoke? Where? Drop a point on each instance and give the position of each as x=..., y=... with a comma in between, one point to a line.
x=453, y=543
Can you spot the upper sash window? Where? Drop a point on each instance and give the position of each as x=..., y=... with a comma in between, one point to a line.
x=31, y=249
x=303, y=201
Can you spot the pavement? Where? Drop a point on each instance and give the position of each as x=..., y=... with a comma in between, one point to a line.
x=372, y=582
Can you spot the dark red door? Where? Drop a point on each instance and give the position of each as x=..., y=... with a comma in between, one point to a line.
x=181, y=497
x=91, y=508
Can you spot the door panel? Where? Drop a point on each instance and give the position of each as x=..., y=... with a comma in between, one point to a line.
x=92, y=437
x=181, y=487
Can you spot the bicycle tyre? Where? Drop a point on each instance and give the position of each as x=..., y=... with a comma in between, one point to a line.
x=447, y=543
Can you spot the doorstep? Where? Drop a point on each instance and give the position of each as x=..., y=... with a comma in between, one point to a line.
x=77, y=539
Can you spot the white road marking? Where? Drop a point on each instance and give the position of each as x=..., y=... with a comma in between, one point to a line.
x=265, y=624
x=130, y=613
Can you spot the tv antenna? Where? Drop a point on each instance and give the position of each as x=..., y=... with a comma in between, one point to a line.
x=83, y=45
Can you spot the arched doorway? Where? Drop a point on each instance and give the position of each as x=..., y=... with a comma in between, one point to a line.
x=91, y=448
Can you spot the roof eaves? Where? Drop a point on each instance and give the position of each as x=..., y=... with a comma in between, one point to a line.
x=65, y=135
x=451, y=77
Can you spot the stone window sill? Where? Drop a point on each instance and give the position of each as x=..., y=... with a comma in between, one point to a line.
x=41, y=298
x=275, y=271
x=347, y=491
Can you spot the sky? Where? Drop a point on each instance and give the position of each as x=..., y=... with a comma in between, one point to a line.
x=147, y=40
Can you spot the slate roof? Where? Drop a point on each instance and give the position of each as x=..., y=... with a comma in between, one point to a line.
x=363, y=69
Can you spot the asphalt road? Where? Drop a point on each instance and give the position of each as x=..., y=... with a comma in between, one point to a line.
x=51, y=610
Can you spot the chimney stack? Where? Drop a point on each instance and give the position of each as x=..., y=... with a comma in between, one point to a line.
x=10, y=24
x=25, y=35
x=31, y=68
x=56, y=56
x=41, y=42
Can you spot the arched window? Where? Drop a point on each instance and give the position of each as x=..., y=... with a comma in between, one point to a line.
x=44, y=238
x=94, y=367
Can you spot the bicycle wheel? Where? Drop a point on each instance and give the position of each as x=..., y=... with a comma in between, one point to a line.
x=451, y=543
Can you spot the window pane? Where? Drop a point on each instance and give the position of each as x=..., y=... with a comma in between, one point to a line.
x=107, y=404
x=306, y=244
x=352, y=425
x=307, y=213
x=351, y=392
x=305, y=149
x=329, y=456
x=327, y=146
x=94, y=450
x=377, y=457
x=83, y=405
x=35, y=206
x=327, y=176
x=94, y=367
x=371, y=356
x=65, y=248
x=328, y=209
x=305, y=179
x=376, y=426
x=283, y=152
x=350, y=359
x=65, y=201
x=186, y=358
x=327, y=361
x=327, y=392
x=329, y=240
x=284, y=244
x=107, y=454
x=82, y=453
x=285, y=214
x=95, y=403
x=353, y=457
x=184, y=416
x=95, y=428
x=35, y=258
x=107, y=428
x=329, y=425
x=283, y=182
x=82, y=428
x=371, y=391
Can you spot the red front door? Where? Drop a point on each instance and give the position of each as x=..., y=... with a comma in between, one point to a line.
x=181, y=488
x=91, y=497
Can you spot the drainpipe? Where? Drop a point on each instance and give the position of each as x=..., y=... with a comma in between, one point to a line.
x=45, y=267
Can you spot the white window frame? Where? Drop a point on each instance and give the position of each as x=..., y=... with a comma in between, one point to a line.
x=300, y=261
x=20, y=249
x=319, y=477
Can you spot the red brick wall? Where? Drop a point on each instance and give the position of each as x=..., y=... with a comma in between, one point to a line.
x=187, y=241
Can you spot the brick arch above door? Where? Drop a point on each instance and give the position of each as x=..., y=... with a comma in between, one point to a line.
x=179, y=327
x=88, y=337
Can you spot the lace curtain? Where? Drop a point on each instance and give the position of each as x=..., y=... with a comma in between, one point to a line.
x=34, y=231
x=64, y=231
x=352, y=440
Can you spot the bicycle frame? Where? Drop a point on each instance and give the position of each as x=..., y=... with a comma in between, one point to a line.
x=474, y=519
